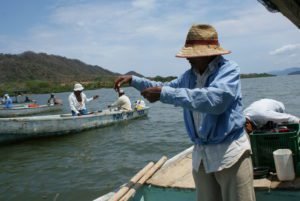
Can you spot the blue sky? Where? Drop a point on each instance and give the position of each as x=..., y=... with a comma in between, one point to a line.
x=145, y=35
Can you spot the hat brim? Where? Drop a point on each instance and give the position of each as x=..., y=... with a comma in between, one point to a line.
x=201, y=51
x=78, y=89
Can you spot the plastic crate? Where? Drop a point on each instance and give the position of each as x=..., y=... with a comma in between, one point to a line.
x=263, y=145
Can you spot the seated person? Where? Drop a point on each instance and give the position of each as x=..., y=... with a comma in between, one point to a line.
x=266, y=112
x=139, y=104
x=28, y=100
x=78, y=99
x=53, y=100
x=18, y=98
x=123, y=102
x=7, y=101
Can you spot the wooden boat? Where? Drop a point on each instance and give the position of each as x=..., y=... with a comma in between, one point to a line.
x=174, y=181
x=25, y=110
x=49, y=125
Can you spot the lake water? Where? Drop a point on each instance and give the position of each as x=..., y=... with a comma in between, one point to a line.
x=83, y=166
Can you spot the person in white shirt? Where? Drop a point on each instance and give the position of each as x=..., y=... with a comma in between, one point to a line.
x=264, y=111
x=78, y=99
x=123, y=102
x=53, y=100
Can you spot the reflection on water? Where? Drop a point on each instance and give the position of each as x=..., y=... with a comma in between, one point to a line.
x=85, y=165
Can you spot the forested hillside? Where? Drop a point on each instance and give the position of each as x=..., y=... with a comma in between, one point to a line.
x=32, y=66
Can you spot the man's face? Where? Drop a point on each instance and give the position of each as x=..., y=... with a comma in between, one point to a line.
x=77, y=92
x=199, y=64
x=195, y=62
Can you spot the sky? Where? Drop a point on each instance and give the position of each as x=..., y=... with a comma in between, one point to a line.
x=145, y=35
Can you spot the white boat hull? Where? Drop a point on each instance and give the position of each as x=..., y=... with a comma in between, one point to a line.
x=49, y=125
x=25, y=111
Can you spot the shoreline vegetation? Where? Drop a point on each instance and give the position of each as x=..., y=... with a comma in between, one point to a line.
x=42, y=86
x=39, y=73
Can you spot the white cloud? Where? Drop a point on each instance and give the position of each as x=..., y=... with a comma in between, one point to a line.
x=290, y=49
x=144, y=4
x=145, y=35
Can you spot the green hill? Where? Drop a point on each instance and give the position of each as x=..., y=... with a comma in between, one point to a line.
x=43, y=73
x=32, y=66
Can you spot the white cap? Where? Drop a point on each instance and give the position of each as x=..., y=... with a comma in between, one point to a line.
x=78, y=87
x=121, y=91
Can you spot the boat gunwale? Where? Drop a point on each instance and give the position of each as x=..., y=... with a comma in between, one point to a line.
x=30, y=108
x=68, y=116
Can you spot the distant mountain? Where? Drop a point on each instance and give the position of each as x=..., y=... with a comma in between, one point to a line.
x=286, y=71
x=40, y=66
x=295, y=73
x=134, y=73
x=255, y=75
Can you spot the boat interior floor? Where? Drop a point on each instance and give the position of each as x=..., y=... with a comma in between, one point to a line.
x=177, y=173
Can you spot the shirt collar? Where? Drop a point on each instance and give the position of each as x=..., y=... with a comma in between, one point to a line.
x=213, y=64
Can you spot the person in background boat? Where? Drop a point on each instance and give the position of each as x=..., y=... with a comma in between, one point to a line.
x=78, y=99
x=139, y=104
x=123, y=102
x=266, y=113
x=210, y=95
x=18, y=97
x=7, y=101
x=27, y=99
x=53, y=100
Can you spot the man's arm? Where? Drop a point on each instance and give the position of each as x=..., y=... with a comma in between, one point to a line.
x=72, y=106
x=116, y=103
x=214, y=99
x=143, y=83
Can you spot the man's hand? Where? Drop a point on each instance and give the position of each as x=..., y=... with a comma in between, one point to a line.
x=124, y=79
x=95, y=97
x=152, y=94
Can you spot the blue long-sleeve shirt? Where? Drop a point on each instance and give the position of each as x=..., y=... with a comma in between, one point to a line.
x=8, y=103
x=219, y=101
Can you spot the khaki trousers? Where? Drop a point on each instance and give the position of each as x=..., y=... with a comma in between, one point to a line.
x=230, y=184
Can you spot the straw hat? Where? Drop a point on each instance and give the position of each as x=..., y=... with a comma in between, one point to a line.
x=78, y=87
x=201, y=41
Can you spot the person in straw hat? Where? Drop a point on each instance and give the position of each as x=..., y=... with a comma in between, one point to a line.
x=78, y=99
x=210, y=94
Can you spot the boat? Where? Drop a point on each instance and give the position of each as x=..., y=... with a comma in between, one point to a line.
x=21, y=97
x=49, y=125
x=174, y=181
x=28, y=109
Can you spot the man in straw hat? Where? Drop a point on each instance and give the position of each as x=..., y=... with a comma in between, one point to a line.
x=210, y=95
